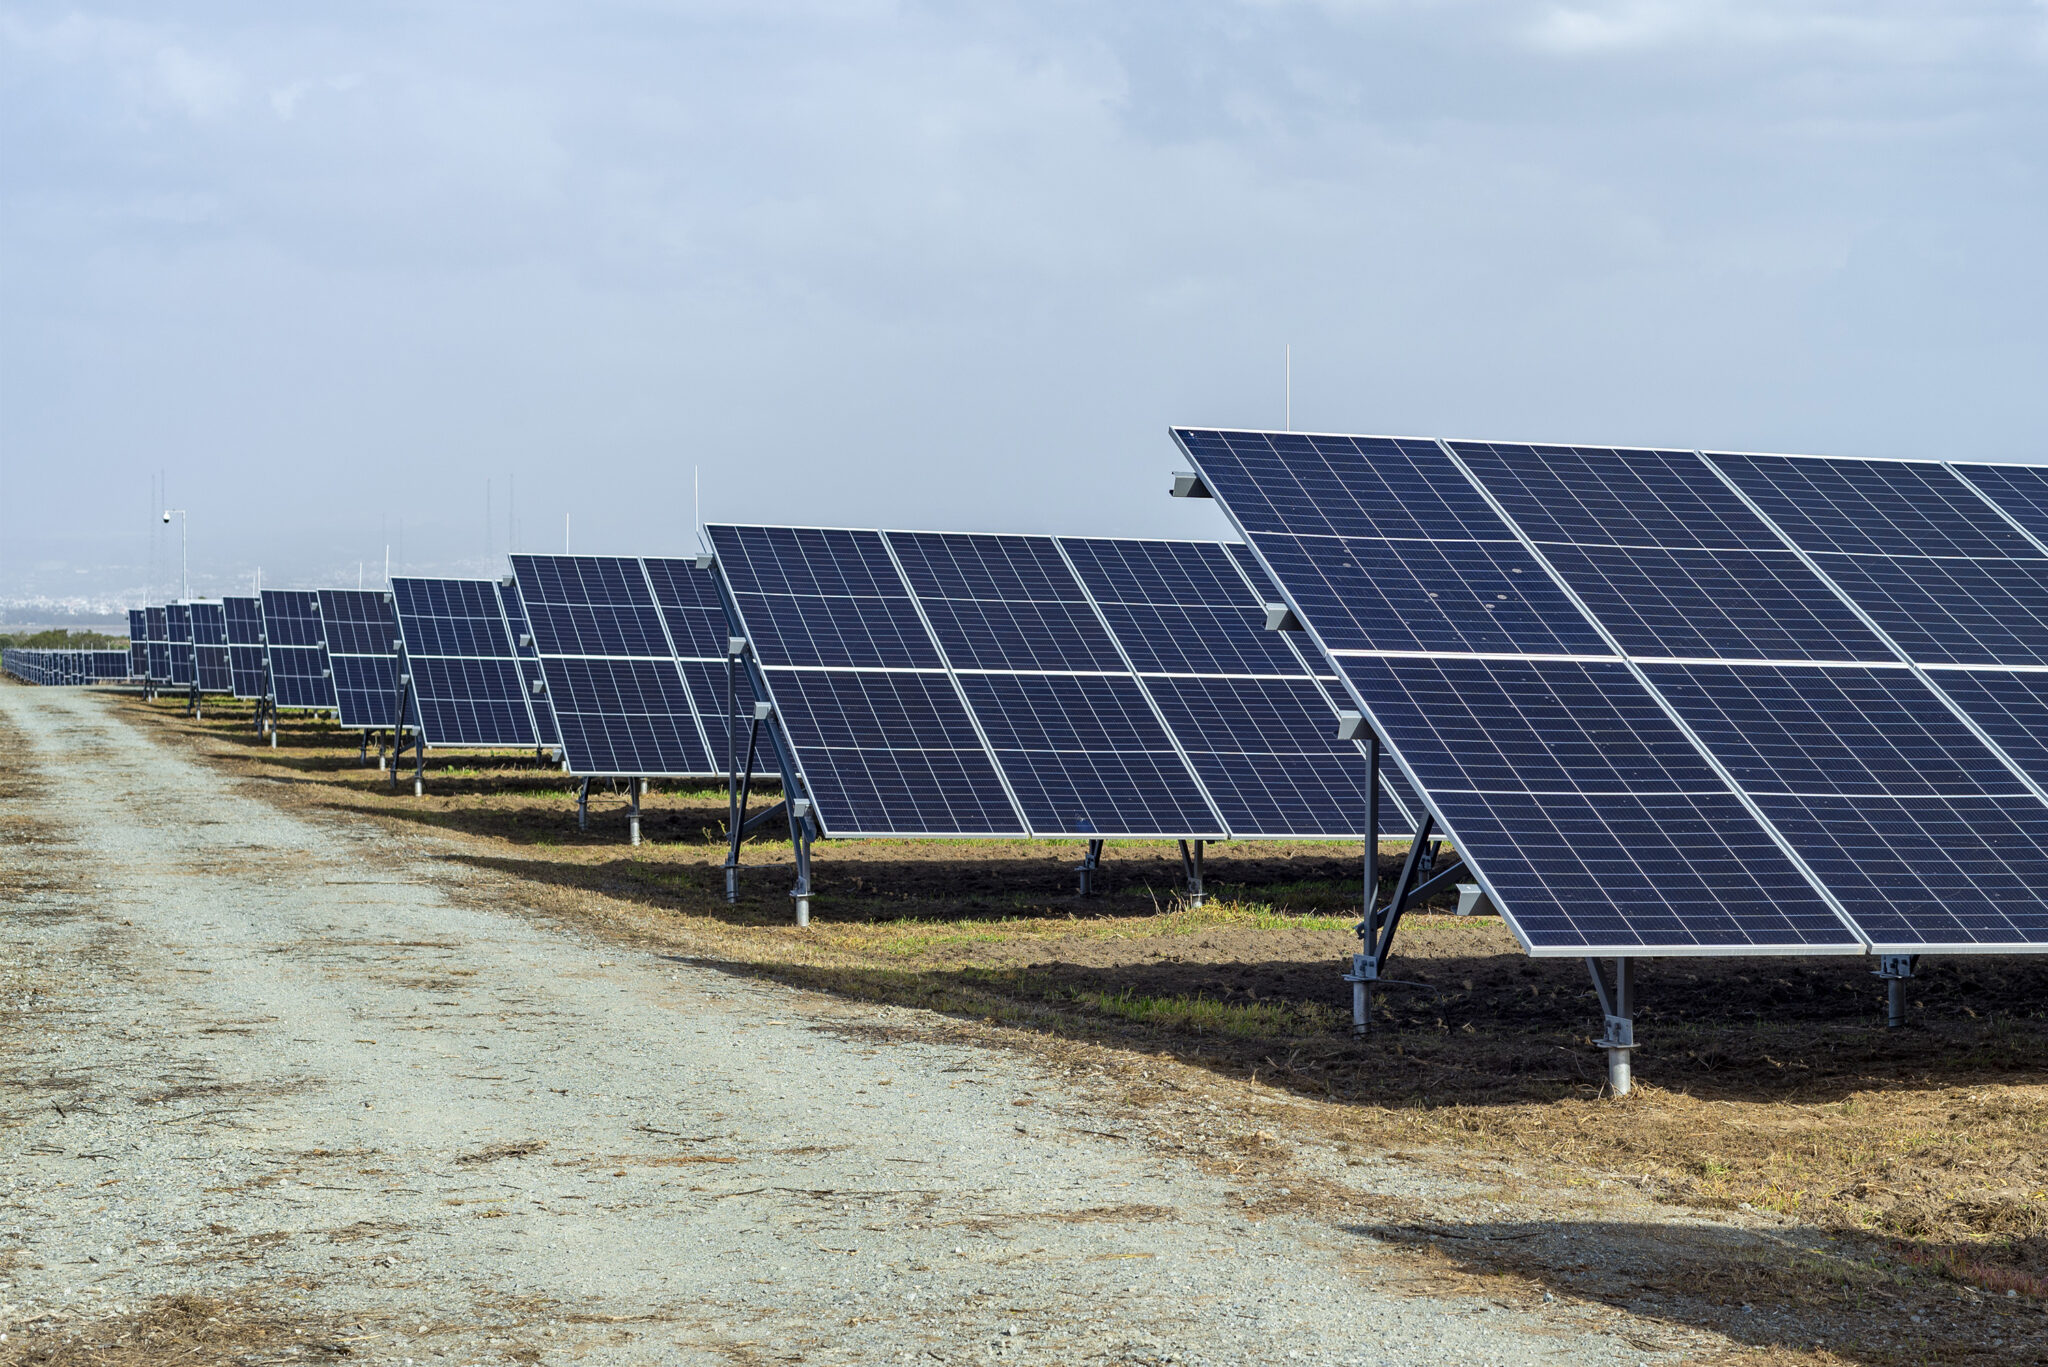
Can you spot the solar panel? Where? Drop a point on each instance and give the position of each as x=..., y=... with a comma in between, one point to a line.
x=1078, y=738
x=697, y=631
x=1939, y=569
x=1250, y=715
x=881, y=732
x=2020, y=492
x=1123, y=688
x=210, y=648
x=361, y=633
x=1831, y=637
x=138, y=643
x=466, y=679
x=1593, y=821
x=178, y=620
x=295, y=648
x=1667, y=556
x=159, y=645
x=619, y=698
x=245, y=645
x=545, y=730
x=1927, y=837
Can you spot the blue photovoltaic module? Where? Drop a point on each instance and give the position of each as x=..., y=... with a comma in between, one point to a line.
x=467, y=682
x=295, y=647
x=362, y=643
x=619, y=698
x=1841, y=647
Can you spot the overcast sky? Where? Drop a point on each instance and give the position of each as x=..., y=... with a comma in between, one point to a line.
x=330, y=268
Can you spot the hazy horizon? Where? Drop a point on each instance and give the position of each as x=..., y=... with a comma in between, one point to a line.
x=961, y=265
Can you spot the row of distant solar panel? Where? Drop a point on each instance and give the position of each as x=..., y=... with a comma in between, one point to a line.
x=66, y=667
x=1721, y=786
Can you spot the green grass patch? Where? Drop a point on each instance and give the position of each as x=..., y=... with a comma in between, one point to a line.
x=1206, y=1015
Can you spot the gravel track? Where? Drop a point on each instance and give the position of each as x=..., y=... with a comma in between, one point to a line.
x=255, y=1053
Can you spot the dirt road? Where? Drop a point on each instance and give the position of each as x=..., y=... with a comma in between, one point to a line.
x=283, y=1063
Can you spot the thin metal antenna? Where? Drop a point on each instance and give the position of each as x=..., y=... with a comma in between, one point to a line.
x=1290, y=386
x=359, y=574
x=697, y=501
x=387, y=565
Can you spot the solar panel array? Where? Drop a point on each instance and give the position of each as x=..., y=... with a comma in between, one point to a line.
x=1680, y=702
x=546, y=732
x=362, y=635
x=159, y=653
x=210, y=647
x=245, y=645
x=178, y=620
x=138, y=642
x=621, y=703
x=972, y=684
x=295, y=649
x=64, y=668
x=458, y=650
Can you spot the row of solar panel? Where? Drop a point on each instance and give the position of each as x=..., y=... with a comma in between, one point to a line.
x=1669, y=700
x=64, y=667
x=978, y=684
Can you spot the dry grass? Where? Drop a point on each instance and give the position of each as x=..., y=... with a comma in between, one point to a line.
x=1770, y=1085
x=187, y=1330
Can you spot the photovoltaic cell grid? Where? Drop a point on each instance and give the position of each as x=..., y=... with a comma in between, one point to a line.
x=619, y=699
x=361, y=632
x=1253, y=720
x=1923, y=834
x=295, y=647
x=138, y=643
x=157, y=622
x=1070, y=726
x=697, y=629
x=545, y=730
x=466, y=680
x=210, y=648
x=245, y=645
x=1107, y=712
x=1589, y=816
x=178, y=621
x=882, y=736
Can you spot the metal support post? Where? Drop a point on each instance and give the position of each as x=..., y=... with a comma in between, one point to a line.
x=1191, y=866
x=800, y=840
x=583, y=805
x=1376, y=928
x=419, y=765
x=1619, y=1006
x=380, y=749
x=738, y=823
x=1089, y=867
x=1895, y=970
x=633, y=813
